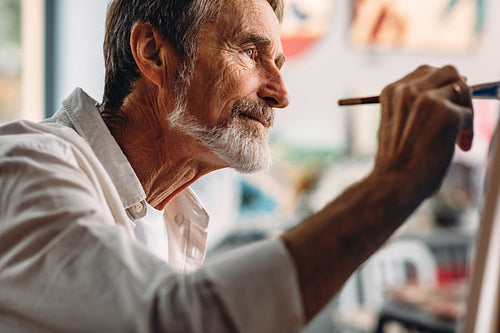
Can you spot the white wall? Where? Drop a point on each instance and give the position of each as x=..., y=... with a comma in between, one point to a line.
x=79, y=57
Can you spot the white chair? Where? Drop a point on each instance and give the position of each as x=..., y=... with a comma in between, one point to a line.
x=397, y=263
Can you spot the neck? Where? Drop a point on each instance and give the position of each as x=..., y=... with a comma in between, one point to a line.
x=165, y=160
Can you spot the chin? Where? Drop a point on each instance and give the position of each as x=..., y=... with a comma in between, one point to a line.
x=251, y=168
x=251, y=158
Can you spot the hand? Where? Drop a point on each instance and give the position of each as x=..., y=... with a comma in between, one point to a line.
x=423, y=115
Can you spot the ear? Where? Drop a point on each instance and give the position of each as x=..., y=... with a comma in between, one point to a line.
x=148, y=49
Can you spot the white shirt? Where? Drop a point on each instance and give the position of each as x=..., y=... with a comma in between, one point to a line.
x=151, y=231
x=69, y=261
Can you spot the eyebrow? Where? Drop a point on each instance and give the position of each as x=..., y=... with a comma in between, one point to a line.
x=264, y=41
x=280, y=60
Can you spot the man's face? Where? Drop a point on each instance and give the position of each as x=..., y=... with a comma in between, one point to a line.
x=236, y=82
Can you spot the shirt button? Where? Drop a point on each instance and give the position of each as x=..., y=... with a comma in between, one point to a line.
x=138, y=207
x=179, y=218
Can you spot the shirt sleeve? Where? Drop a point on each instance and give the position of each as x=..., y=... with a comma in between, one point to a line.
x=65, y=267
x=258, y=285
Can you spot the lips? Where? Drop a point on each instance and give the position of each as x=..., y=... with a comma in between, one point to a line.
x=256, y=110
x=260, y=120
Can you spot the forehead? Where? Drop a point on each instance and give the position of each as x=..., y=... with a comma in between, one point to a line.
x=248, y=16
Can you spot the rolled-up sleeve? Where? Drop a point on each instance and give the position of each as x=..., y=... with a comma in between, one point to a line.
x=65, y=266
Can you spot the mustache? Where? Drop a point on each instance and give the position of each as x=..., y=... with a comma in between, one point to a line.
x=257, y=109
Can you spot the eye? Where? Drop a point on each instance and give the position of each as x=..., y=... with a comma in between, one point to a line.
x=250, y=53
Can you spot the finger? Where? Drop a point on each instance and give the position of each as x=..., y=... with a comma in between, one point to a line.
x=438, y=78
x=458, y=92
x=466, y=134
x=404, y=87
x=427, y=78
x=419, y=72
x=465, y=116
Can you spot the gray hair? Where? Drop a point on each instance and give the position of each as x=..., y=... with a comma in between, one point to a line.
x=178, y=21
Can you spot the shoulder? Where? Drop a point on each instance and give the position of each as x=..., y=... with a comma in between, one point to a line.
x=24, y=138
x=31, y=154
x=41, y=171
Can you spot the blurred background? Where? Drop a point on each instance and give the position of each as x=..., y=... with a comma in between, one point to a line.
x=335, y=49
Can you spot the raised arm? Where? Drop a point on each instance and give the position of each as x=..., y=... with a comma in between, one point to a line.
x=423, y=115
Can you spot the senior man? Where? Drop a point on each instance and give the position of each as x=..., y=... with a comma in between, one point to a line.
x=99, y=231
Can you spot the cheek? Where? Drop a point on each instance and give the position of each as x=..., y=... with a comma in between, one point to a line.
x=226, y=87
x=220, y=86
x=237, y=82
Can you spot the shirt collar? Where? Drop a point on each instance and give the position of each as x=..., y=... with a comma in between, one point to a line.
x=80, y=112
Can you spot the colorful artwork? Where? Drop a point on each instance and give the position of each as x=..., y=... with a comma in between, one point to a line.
x=418, y=25
x=305, y=22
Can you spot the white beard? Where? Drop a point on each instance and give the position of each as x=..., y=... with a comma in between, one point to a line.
x=243, y=145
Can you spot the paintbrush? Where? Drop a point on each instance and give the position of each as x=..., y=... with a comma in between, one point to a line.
x=489, y=90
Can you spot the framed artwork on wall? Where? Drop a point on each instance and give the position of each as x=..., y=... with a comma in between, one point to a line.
x=444, y=26
x=305, y=23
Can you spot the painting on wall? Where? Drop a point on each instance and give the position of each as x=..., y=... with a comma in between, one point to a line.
x=417, y=25
x=305, y=23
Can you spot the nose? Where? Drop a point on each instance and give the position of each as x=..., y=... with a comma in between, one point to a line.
x=273, y=90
